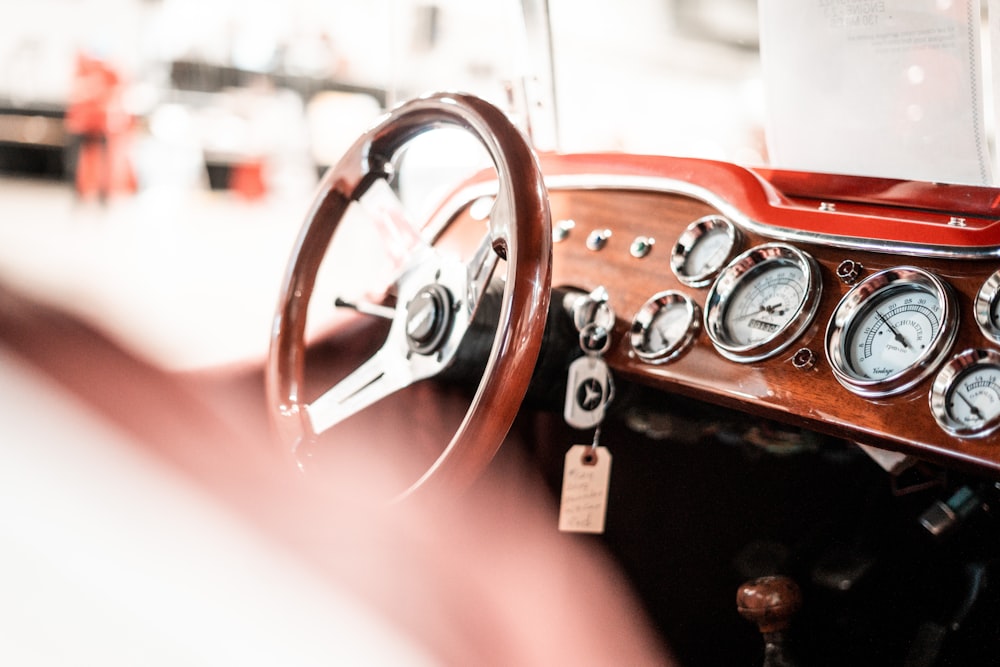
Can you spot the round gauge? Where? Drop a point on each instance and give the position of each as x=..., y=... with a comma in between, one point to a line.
x=704, y=248
x=762, y=301
x=664, y=327
x=988, y=308
x=890, y=331
x=965, y=397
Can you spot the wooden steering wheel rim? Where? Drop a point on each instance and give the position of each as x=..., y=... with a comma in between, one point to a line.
x=521, y=232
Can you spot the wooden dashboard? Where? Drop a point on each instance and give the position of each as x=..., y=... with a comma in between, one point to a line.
x=946, y=231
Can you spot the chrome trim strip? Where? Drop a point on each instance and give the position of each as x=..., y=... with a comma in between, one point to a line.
x=724, y=207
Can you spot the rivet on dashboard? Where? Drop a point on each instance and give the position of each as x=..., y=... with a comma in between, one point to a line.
x=849, y=271
x=598, y=239
x=956, y=222
x=828, y=207
x=804, y=359
x=641, y=246
x=561, y=230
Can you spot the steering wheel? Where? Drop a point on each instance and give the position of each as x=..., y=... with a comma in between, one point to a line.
x=437, y=294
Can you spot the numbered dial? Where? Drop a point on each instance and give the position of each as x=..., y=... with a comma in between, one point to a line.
x=664, y=327
x=988, y=308
x=965, y=397
x=890, y=331
x=762, y=301
x=704, y=248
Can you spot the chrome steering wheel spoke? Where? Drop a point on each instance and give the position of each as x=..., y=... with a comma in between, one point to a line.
x=436, y=295
x=429, y=323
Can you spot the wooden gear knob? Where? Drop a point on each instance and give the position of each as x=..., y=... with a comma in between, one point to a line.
x=770, y=602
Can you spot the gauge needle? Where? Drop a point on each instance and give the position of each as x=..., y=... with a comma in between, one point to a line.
x=771, y=309
x=898, y=336
x=972, y=408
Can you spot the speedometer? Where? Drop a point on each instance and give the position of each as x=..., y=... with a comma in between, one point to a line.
x=890, y=331
x=762, y=301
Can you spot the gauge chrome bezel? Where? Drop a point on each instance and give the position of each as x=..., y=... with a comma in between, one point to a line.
x=691, y=236
x=860, y=300
x=985, y=299
x=647, y=314
x=946, y=381
x=748, y=264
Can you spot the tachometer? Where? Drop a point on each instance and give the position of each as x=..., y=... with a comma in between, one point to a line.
x=762, y=301
x=890, y=331
x=965, y=396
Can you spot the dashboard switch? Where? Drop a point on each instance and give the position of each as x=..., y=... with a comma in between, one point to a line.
x=598, y=239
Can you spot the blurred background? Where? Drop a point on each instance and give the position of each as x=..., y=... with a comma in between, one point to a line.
x=157, y=156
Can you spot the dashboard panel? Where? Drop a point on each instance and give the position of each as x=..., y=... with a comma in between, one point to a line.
x=852, y=315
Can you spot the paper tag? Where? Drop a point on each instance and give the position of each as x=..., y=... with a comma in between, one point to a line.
x=587, y=391
x=586, y=479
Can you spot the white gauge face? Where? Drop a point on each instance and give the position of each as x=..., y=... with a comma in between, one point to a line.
x=762, y=301
x=704, y=248
x=664, y=326
x=974, y=399
x=893, y=333
x=965, y=398
x=890, y=330
x=709, y=253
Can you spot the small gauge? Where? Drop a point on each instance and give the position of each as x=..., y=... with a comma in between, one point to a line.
x=890, y=331
x=988, y=308
x=664, y=327
x=965, y=397
x=762, y=301
x=704, y=248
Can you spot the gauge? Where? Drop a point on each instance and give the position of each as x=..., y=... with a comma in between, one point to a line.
x=965, y=397
x=762, y=301
x=704, y=248
x=988, y=308
x=890, y=331
x=664, y=327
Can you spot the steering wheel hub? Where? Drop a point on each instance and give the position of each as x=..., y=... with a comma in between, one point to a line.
x=429, y=319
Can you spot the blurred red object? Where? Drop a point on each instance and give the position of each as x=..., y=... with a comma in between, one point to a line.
x=247, y=179
x=98, y=126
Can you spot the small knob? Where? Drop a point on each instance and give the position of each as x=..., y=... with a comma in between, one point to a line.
x=598, y=239
x=770, y=602
x=849, y=271
x=804, y=359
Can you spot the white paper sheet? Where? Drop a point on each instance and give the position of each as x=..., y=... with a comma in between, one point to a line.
x=887, y=88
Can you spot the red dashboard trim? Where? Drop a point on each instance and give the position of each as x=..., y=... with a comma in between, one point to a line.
x=903, y=212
